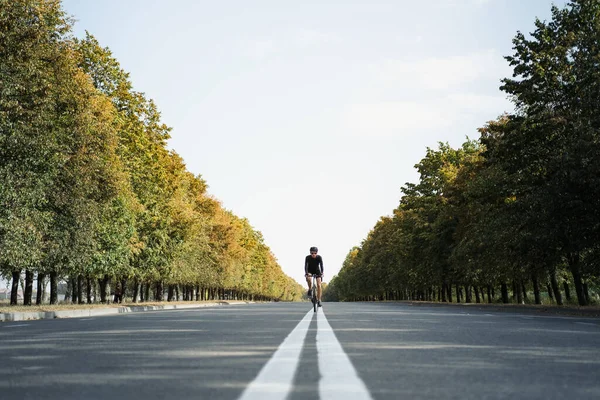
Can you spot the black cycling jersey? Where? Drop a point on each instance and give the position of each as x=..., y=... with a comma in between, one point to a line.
x=313, y=265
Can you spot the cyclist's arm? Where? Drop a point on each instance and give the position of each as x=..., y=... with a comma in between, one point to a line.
x=306, y=266
x=321, y=265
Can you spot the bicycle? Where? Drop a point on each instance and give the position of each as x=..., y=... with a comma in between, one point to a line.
x=313, y=289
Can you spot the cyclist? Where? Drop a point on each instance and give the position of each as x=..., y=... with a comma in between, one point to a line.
x=313, y=265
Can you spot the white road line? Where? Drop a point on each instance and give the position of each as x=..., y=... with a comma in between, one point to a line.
x=275, y=379
x=586, y=323
x=339, y=380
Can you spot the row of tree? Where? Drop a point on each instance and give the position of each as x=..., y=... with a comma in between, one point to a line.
x=89, y=191
x=519, y=208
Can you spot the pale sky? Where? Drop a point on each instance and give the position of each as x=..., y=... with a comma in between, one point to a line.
x=307, y=117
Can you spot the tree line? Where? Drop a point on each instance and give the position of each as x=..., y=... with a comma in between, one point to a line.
x=89, y=192
x=515, y=212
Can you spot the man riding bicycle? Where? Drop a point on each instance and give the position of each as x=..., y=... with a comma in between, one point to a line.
x=313, y=265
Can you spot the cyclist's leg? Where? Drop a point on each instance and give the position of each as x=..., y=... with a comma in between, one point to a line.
x=309, y=282
x=319, y=288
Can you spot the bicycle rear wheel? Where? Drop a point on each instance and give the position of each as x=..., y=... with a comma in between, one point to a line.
x=314, y=293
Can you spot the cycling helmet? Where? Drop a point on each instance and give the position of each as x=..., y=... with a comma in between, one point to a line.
x=314, y=249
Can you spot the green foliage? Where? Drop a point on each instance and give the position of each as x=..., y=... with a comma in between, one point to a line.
x=88, y=187
x=521, y=203
x=30, y=139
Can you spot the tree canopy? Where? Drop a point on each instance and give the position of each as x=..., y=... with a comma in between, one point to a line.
x=520, y=206
x=89, y=191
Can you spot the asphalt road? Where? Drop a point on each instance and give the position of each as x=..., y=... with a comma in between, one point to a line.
x=285, y=351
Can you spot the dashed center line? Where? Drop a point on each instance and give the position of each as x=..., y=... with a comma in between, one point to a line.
x=275, y=379
x=339, y=380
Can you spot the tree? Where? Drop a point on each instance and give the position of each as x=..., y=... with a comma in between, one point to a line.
x=556, y=150
x=31, y=143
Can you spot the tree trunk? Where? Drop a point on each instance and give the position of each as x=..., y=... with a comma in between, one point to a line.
x=39, y=298
x=45, y=288
x=555, y=288
x=444, y=299
x=549, y=290
x=14, y=291
x=567, y=291
x=518, y=292
x=73, y=287
x=170, y=293
x=136, y=288
x=123, y=290
x=103, y=292
x=504, y=291
x=159, y=291
x=458, y=297
x=143, y=294
x=22, y=282
x=536, y=289
x=53, y=287
x=80, y=289
x=576, y=271
x=525, y=298
x=489, y=293
x=117, y=290
x=88, y=289
x=28, y=288
x=147, y=292
x=477, y=298
x=468, y=295
x=68, y=290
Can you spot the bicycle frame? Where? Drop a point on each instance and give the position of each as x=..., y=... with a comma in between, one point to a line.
x=314, y=289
